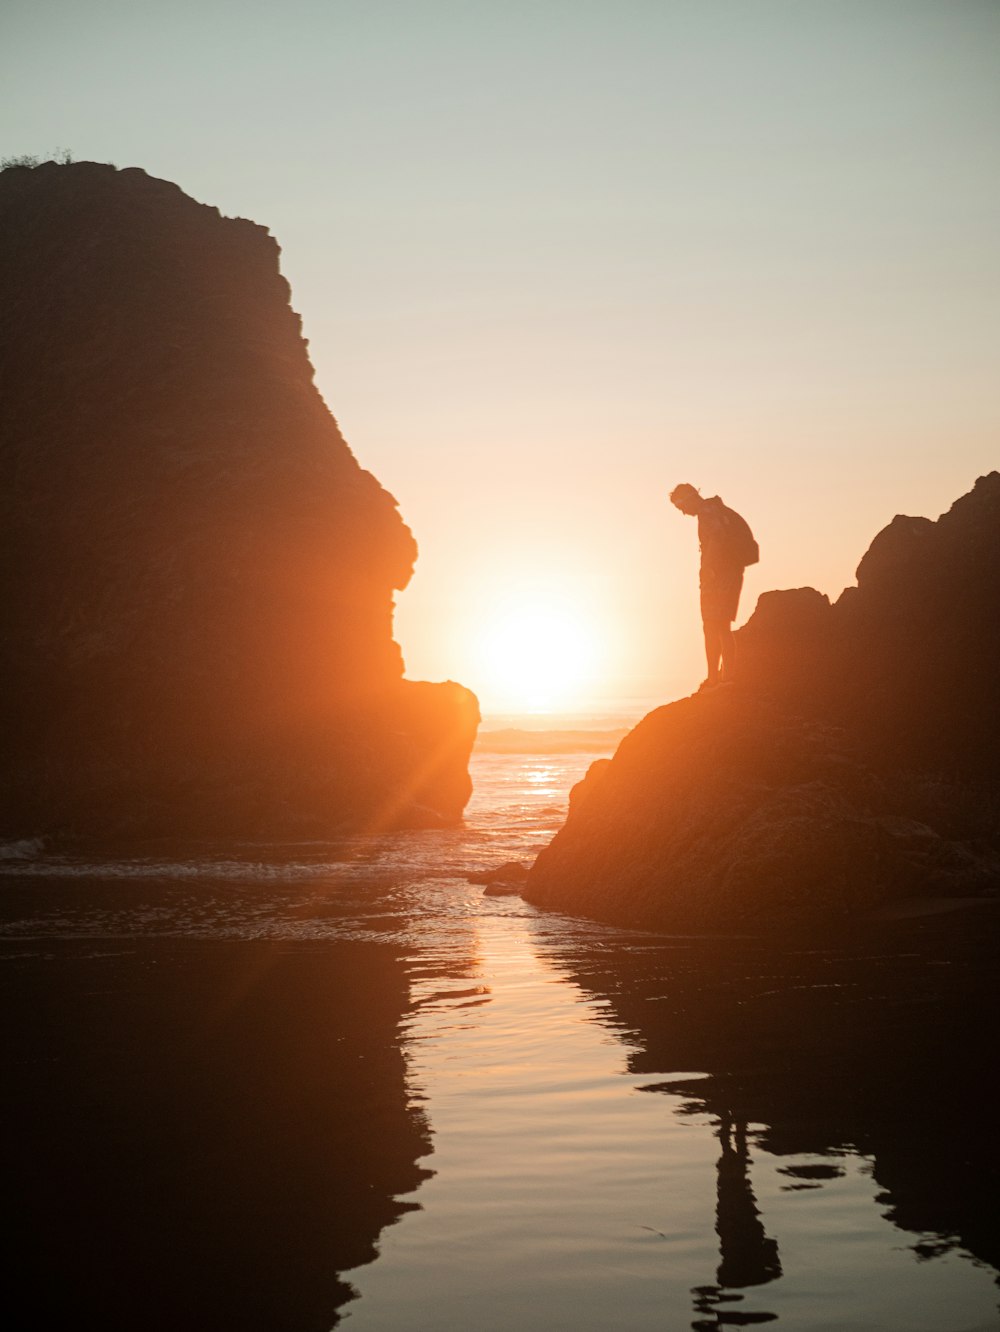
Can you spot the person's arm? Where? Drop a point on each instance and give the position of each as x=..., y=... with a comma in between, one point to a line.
x=711, y=531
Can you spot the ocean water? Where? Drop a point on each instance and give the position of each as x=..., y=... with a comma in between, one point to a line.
x=284, y=1086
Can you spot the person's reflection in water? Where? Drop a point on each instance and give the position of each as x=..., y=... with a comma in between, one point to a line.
x=747, y=1256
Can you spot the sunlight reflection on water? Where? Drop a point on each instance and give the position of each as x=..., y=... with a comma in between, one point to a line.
x=565, y=1198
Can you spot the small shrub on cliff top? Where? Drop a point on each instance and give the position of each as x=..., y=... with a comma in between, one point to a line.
x=61, y=155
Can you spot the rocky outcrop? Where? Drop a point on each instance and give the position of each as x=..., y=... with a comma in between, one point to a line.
x=854, y=764
x=197, y=576
x=907, y=658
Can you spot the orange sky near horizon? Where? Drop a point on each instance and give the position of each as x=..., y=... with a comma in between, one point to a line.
x=553, y=258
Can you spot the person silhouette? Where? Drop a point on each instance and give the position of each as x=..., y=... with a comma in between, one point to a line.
x=727, y=547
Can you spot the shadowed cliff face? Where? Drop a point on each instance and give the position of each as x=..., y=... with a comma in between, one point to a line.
x=197, y=579
x=853, y=763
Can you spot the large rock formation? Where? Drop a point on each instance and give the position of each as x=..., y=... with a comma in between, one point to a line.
x=197, y=576
x=854, y=763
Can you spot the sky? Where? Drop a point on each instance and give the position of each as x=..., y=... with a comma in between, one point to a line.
x=555, y=256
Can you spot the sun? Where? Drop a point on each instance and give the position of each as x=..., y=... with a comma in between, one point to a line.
x=537, y=656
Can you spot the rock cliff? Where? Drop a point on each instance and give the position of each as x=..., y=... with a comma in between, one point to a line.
x=853, y=764
x=197, y=576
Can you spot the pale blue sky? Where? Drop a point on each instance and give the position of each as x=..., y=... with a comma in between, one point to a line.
x=554, y=257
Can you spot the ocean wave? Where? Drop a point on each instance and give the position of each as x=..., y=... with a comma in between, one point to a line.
x=514, y=740
x=236, y=871
x=25, y=848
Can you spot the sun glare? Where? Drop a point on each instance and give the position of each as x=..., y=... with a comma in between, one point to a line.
x=537, y=657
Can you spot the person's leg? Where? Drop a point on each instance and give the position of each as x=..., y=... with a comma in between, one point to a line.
x=727, y=643
x=727, y=651
x=713, y=649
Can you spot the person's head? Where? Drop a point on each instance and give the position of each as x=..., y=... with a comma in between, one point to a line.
x=686, y=498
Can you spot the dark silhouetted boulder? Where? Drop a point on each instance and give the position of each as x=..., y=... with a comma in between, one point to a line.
x=197, y=576
x=855, y=763
x=504, y=880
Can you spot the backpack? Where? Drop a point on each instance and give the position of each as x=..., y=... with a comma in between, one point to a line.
x=740, y=540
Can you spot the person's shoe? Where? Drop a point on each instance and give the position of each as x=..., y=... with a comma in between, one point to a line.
x=709, y=684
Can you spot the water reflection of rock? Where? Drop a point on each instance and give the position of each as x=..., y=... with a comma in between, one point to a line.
x=201, y=1134
x=880, y=1047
